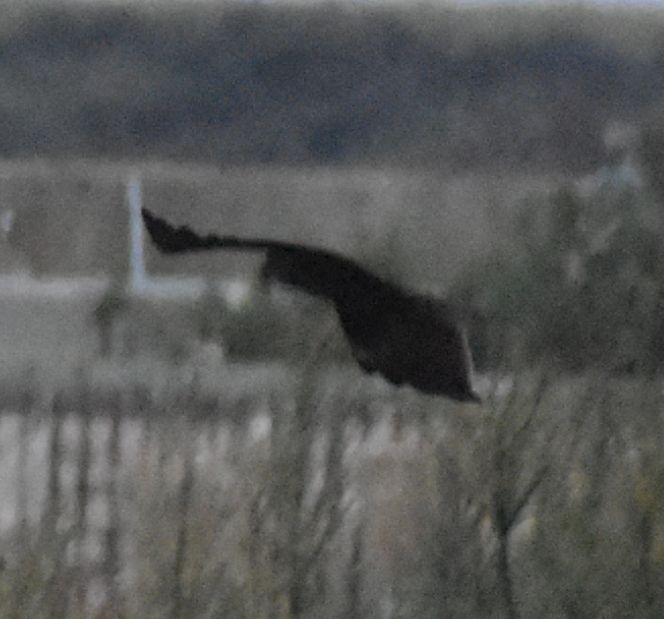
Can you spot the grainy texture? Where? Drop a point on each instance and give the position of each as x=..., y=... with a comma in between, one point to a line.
x=406, y=337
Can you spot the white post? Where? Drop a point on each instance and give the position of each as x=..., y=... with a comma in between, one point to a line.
x=137, y=275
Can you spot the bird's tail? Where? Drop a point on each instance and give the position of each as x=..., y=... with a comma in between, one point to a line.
x=174, y=240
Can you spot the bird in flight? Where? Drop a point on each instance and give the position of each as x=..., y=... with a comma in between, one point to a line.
x=406, y=337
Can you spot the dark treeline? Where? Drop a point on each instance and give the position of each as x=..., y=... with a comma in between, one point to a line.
x=294, y=85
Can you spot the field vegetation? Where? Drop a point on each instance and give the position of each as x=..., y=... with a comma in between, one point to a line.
x=220, y=462
x=194, y=458
x=192, y=490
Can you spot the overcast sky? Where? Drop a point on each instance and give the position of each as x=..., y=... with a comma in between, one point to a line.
x=627, y=3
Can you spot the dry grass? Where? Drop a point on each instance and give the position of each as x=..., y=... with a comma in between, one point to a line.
x=334, y=497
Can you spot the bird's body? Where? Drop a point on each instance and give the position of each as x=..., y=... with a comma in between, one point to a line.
x=407, y=337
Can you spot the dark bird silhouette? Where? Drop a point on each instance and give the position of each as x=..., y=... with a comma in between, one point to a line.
x=409, y=338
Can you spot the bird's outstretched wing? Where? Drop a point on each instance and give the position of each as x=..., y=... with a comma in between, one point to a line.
x=316, y=271
x=406, y=337
x=172, y=240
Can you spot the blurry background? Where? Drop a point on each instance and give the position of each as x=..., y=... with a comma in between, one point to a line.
x=509, y=157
